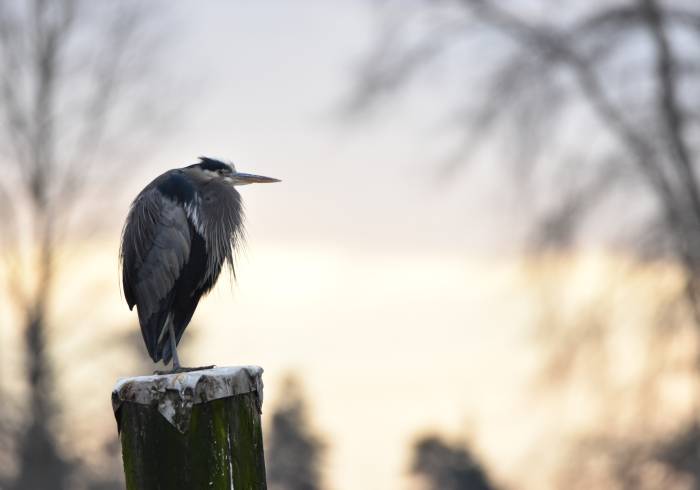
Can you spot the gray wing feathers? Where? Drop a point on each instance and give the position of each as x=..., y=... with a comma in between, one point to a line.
x=155, y=247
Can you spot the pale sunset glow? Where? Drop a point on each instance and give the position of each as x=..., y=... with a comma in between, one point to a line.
x=389, y=346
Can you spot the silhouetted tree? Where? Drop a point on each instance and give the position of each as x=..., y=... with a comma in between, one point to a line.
x=293, y=452
x=540, y=75
x=70, y=87
x=681, y=453
x=592, y=107
x=448, y=467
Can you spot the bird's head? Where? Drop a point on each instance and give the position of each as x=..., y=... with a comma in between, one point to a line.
x=211, y=169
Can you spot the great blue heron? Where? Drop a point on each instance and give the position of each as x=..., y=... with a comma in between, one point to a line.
x=180, y=230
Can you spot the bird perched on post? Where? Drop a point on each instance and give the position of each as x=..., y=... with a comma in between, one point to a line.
x=180, y=230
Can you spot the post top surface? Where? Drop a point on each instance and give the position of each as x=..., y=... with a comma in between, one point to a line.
x=176, y=394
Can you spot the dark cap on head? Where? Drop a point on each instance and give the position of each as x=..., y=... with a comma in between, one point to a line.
x=206, y=163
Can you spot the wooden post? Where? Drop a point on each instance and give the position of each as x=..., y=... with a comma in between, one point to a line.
x=195, y=430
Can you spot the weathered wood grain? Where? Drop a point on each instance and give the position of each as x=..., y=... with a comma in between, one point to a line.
x=222, y=448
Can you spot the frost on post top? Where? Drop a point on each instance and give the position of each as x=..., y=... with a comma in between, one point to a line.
x=176, y=394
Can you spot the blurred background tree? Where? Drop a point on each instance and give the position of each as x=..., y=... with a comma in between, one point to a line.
x=539, y=75
x=72, y=89
x=446, y=466
x=593, y=108
x=293, y=452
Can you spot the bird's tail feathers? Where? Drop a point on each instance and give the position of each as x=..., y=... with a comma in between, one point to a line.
x=151, y=330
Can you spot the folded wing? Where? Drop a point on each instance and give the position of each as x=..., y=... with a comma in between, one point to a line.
x=156, y=244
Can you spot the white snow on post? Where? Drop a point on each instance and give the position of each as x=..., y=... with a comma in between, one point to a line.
x=176, y=394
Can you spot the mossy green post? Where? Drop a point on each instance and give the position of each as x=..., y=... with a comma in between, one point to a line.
x=183, y=433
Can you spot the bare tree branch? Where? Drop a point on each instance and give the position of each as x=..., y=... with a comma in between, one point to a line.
x=669, y=107
x=53, y=149
x=624, y=73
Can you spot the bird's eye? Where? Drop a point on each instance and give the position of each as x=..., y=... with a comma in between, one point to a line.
x=221, y=171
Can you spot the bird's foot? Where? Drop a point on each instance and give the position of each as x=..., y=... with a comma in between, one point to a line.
x=180, y=369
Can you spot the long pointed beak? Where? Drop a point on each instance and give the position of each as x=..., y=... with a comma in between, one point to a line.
x=245, y=179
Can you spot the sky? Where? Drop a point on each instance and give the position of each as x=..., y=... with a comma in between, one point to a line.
x=394, y=295
x=274, y=77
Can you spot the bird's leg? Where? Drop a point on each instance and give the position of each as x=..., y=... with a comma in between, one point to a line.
x=176, y=368
x=176, y=360
x=173, y=347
